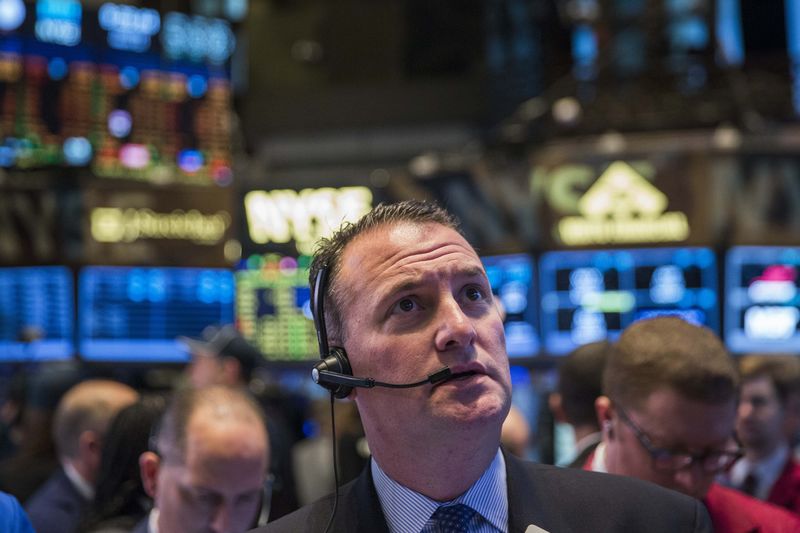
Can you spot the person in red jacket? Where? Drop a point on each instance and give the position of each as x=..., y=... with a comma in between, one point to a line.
x=767, y=405
x=668, y=415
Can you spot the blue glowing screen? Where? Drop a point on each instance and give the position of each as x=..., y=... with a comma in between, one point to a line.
x=512, y=278
x=136, y=313
x=762, y=300
x=594, y=294
x=36, y=313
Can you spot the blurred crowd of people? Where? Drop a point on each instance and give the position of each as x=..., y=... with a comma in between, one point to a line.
x=106, y=458
x=219, y=452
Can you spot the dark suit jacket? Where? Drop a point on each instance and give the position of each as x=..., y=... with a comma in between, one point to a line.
x=57, y=506
x=143, y=526
x=555, y=499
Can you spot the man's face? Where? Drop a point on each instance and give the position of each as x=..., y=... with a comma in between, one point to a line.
x=417, y=299
x=675, y=423
x=759, y=423
x=218, y=487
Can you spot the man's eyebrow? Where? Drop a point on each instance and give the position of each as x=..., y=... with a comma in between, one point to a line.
x=417, y=281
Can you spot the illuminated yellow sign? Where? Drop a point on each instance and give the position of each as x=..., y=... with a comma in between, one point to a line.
x=622, y=207
x=285, y=215
x=112, y=224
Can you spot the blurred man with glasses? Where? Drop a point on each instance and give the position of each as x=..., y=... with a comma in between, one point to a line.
x=668, y=415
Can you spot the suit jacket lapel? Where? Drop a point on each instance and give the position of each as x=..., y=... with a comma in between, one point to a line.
x=359, y=508
x=526, y=505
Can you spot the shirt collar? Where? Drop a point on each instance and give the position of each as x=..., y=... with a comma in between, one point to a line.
x=407, y=510
x=83, y=487
x=599, y=459
x=767, y=470
x=152, y=521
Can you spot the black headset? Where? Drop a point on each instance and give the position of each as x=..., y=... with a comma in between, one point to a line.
x=334, y=359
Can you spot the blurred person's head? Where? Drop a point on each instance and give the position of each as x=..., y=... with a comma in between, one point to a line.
x=82, y=420
x=208, y=468
x=768, y=403
x=669, y=408
x=118, y=488
x=515, y=435
x=580, y=383
x=221, y=357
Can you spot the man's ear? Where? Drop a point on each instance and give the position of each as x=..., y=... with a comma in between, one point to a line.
x=149, y=464
x=605, y=412
x=90, y=450
x=556, y=407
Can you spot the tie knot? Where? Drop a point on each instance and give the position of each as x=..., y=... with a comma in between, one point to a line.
x=453, y=518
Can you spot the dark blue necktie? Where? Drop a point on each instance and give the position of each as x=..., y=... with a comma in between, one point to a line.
x=453, y=518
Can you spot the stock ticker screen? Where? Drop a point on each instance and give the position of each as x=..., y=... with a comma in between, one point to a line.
x=592, y=295
x=762, y=302
x=135, y=314
x=512, y=278
x=273, y=307
x=127, y=91
x=36, y=313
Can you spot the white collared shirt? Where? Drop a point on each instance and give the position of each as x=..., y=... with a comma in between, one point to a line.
x=599, y=459
x=767, y=471
x=152, y=521
x=408, y=511
x=83, y=487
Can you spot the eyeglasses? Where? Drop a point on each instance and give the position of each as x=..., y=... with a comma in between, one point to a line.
x=712, y=461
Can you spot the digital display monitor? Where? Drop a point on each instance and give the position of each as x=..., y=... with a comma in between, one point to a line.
x=594, y=294
x=36, y=313
x=127, y=91
x=135, y=314
x=762, y=301
x=512, y=278
x=273, y=307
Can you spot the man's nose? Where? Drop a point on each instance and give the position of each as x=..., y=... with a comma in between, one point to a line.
x=691, y=479
x=221, y=522
x=455, y=328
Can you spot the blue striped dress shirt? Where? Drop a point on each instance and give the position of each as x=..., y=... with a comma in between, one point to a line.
x=407, y=511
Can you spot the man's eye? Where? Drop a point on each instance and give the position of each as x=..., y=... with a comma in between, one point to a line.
x=474, y=294
x=406, y=305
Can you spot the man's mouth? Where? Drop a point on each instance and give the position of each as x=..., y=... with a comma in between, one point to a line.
x=459, y=376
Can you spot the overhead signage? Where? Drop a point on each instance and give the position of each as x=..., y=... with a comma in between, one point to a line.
x=112, y=224
x=622, y=206
x=157, y=226
x=58, y=21
x=129, y=28
x=283, y=216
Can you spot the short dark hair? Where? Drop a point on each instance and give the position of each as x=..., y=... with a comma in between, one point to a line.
x=329, y=250
x=580, y=381
x=782, y=370
x=170, y=438
x=668, y=352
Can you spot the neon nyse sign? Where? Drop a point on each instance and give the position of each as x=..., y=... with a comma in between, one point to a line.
x=282, y=216
x=622, y=207
x=112, y=224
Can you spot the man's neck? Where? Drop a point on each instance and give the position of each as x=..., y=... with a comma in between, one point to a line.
x=78, y=478
x=441, y=471
x=758, y=454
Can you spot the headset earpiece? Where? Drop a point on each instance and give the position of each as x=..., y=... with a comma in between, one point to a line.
x=337, y=362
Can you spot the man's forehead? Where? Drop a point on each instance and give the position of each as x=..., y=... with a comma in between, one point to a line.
x=393, y=241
